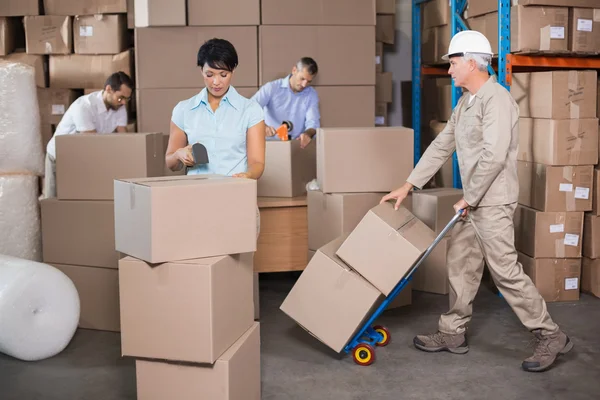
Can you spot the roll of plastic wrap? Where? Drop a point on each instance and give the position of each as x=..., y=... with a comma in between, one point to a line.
x=20, y=233
x=39, y=309
x=20, y=137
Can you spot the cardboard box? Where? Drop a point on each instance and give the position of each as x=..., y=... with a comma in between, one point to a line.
x=404, y=298
x=385, y=29
x=311, y=254
x=432, y=275
x=100, y=34
x=596, y=193
x=181, y=45
x=487, y=24
x=435, y=13
x=333, y=215
x=84, y=7
x=79, y=157
x=38, y=62
x=220, y=213
x=437, y=97
x=130, y=14
x=555, y=279
x=159, y=13
x=385, y=6
x=559, y=3
x=385, y=245
x=288, y=168
x=79, y=233
x=256, y=294
x=191, y=310
x=445, y=176
x=19, y=8
x=315, y=12
x=556, y=94
x=541, y=234
x=87, y=71
x=54, y=103
x=98, y=290
x=247, y=12
x=8, y=35
x=338, y=106
x=381, y=114
x=46, y=34
x=435, y=44
x=558, y=142
x=47, y=130
x=591, y=236
x=534, y=29
x=363, y=159
x=155, y=106
x=326, y=44
x=378, y=57
x=481, y=7
x=234, y=376
x=590, y=276
x=584, y=30
x=551, y=188
x=384, y=87
x=330, y=300
x=435, y=207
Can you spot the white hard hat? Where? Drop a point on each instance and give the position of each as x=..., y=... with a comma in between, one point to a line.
x=468, y=42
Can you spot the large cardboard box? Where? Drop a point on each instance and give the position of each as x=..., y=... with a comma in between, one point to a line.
x=82, y=170
x=560, y=3
x=591, y=236
x=47, y=34
x=553, y=188
x=8, y=35
x=155, y=106
x=557, y=279
x=180, y=45
x=481, y=7
x=54, y=103
x=435, y=13
x=556, y=94
x=98, y=290
x=159, y=13
x=385, y=30
x=330, y=300
x=79, y=233
x=584, y=30
x=435, y=42
x=432, y=274
x=219, y=214
x=385, y=6
x=87, y=71
x=19, y=8
x=234, y=376
x=84, y=7
x=363, y=159
x=534, y=29
x=288, y=168
x=100, y=34
x=435, y=207
x=338, y=106
x=590, y=276
x=443, y=99
x=385, y=244
x=558, y=141
x=316, y=12
x=191, y=310
x=247, y=12
x=384, y=87
x=326, y=44
x=488, y=25
x=596, y=194
x=541, y=234
x=335, y=214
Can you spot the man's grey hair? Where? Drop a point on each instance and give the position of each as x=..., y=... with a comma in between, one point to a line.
x=482, y=60
x=308, y=63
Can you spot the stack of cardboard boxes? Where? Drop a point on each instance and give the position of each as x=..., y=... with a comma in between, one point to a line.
x=78, y=228
x=558, y=148
x=385, y=32
x=186, y=285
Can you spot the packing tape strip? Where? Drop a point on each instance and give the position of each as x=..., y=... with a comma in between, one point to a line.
x=568, y=175
x=131, y=196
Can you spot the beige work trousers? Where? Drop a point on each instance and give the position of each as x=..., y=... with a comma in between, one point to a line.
x=487, y=235
x=50, y=178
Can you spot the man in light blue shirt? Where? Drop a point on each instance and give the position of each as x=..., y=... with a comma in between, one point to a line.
x=292, y=99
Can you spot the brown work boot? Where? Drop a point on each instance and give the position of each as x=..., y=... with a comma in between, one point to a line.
x=548, y=348
x=442, y=342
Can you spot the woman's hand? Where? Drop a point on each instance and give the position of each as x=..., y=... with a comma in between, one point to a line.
x=184, y=155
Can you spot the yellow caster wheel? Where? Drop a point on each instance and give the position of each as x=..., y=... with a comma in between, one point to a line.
x=363, y=354
x=383, y=331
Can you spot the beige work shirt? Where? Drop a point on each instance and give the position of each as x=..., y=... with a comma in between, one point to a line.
x=484, y=133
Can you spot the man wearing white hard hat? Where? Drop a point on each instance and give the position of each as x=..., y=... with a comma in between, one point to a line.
x=483, y=129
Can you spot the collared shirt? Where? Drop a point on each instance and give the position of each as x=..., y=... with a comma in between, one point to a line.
x=88, y=113
x=485, y=134
x=281, y=103
x=222, y=132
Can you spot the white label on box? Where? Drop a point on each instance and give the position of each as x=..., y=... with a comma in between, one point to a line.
x=377, y=60
x=566, y=187
x=86, y=31
x=582, y=193
x=557, y=32
x=571, y=239
x=379, y=120
x=584, y=25
x=571, y=283
x=557, y=228
x=58, y=109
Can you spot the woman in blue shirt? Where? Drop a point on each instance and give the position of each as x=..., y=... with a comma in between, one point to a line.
x=230, y=126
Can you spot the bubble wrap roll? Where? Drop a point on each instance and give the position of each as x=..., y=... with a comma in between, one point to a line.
x=39, y=309
x=20, y=234
x=20, y=136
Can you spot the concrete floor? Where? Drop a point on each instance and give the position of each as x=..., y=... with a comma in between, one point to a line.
x=297, y=367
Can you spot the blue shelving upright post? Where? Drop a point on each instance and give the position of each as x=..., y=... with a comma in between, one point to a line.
x=503, y=42
x=416, y=77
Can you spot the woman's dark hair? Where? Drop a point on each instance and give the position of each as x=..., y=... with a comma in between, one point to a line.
x=117, y=79
x=218, y=54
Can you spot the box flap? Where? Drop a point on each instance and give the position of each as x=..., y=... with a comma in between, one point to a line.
x=395, y=218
